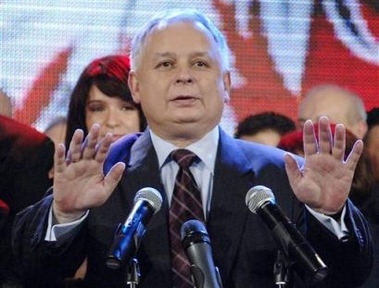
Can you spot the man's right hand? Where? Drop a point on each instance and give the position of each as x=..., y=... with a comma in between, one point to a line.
x=79, y=181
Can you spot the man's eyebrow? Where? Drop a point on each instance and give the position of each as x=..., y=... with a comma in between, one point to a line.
x=163, y=54
x=194, y=54
x=200, y=53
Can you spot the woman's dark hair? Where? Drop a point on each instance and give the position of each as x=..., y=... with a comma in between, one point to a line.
x=110, y=75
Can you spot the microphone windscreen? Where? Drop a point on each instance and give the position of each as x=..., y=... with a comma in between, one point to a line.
x=257, y=196
x=151, y=195
x=192, y=226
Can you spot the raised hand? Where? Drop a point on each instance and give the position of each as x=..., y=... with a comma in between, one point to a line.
x=79, y=181
x=324, y=181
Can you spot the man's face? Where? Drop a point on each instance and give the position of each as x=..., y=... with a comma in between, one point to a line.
x=180, y=83
x=327, y=104
x=336, y=106
x=5, y=105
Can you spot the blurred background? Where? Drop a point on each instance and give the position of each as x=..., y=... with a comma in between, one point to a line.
x=279, y=49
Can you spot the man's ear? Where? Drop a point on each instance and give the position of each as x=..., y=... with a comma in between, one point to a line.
x=227, y=85
x=134, y=86
x=362, y=129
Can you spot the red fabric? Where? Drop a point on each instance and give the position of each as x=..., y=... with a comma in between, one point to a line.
x=4, y=208
x=24, y=135
x=330, y=61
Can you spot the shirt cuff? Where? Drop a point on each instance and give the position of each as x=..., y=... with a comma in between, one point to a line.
x=61, y=231
x=338, y=228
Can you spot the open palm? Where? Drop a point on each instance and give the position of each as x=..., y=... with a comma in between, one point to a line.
x=324, y=181
x=79, y=181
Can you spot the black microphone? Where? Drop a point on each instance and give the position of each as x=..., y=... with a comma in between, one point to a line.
x=307, y=263
x=128, y=237
x=197, y=246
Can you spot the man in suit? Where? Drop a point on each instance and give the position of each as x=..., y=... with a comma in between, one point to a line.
x=181, y=76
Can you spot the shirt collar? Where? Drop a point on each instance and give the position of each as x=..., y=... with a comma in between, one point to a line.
x=205, y=148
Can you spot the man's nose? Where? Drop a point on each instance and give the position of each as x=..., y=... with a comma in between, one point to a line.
x=184, y=76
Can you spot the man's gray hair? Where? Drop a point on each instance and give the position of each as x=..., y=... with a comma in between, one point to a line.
x=177, y=16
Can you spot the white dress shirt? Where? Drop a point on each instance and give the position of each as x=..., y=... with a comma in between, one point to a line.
x=203, y=171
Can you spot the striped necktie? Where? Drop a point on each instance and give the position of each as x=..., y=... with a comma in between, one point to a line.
x=185, y=205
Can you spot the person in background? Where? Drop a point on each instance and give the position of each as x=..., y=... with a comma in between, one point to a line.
x=26, y=156
x=56, y=130
x=181, y=77
x=266, y=128
x=338, y=104
x=371, y=139
x=366, y=178
x=101, y=95
x=5, y=104
x=366, y=187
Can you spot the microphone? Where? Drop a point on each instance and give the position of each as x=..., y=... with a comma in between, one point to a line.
x=147, y=202
x=308, y=264
x=197, y=246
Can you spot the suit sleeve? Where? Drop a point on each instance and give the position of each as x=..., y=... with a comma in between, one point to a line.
x=349, y=259
x=40, y=262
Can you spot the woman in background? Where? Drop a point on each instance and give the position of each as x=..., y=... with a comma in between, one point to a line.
x=102, y=96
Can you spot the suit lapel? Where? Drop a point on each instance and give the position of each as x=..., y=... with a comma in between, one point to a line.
x=228, y=210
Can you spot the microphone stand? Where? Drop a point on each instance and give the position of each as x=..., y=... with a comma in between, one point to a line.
x=282, y=271
x=133, y=273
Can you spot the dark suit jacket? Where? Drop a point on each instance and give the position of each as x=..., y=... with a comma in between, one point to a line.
x=243, y=247
x=26, y=156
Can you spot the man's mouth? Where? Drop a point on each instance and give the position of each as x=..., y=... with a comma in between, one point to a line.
x=184, y=99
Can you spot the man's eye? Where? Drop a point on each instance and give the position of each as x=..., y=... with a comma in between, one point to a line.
x=200, y=63
x=164, y=64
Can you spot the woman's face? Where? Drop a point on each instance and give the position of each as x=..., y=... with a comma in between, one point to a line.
x=113, y=114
